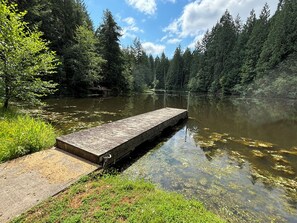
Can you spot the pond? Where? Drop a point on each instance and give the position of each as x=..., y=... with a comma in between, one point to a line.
x=237, y=156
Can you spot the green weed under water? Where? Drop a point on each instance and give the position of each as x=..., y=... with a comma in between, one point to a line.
x=21, y=134
x=114, y=198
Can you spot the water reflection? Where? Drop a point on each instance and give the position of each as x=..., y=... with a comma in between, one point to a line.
x=238, y=156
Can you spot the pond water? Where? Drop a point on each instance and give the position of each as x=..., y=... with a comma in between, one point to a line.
x=237, y=156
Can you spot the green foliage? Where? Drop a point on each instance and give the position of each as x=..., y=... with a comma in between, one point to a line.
x=139, y=72
x=108, y=35
x=186, y=71
x=278, y=83
x=25, y=59
x=282, y=38
x=82, y=63
x=236, y=59
x=162, y=67
x=174, y=75
x=254, y=46
x=58, y=21
x=229, y=59
x=214, y=57
x=112, y=198
x=21, y=135
x=141, y=67
x=150, y=77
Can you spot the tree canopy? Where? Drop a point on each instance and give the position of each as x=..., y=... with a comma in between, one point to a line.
x=25, y=59
x=108, y=35
x=233, y=57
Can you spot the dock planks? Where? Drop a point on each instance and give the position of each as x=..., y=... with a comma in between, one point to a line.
x=28, y=180
x=108, y=143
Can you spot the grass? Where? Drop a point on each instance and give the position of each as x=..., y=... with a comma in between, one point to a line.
x=114, y=198
x=21, y=134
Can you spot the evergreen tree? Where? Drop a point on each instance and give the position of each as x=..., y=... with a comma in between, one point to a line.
x=254, y=46
x=58, y=20
x=219, y=45
x=187, y=61
x=282, y=38
x=108, y=35
x=137, y=50
x=233, y=63
x=174, y=76
x=152, y=74
x=141, y=70
x=161, y=71
x=157, y=65
x=128, y=66
x=82, y=63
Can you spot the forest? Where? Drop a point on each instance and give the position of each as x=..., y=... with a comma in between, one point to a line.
x=255, y=57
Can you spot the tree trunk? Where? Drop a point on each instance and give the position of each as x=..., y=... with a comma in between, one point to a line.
x=6, y=103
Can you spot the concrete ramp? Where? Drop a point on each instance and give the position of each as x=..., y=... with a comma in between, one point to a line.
x=108, y=143
x=26, y=181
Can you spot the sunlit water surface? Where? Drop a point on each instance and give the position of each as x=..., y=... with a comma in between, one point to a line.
x=237, y=156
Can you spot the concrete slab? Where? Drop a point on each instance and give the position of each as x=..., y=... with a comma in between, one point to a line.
x=110, y=142
x=26, y=181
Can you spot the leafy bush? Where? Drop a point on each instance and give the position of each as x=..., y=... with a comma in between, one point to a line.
x=21, y=134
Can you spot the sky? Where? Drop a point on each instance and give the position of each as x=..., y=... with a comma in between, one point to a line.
x=163, y=25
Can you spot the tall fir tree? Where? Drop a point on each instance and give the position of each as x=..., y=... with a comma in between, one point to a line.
x=161, y=71
x=186, y=72
x=175, y=70
x=82, y=63
x=254, y=46
x=108, y=35
x=282, y=38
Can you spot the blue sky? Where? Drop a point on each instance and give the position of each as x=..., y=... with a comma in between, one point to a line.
x=162, y=25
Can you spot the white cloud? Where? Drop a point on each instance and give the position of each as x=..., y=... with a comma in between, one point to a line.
x=129, y=20
x=164, y=38
x=172, y=27
x=146, y=6
x=200, y=15
x=174, y=41
x=203, y=14
x=131, y=29
x=152, y=48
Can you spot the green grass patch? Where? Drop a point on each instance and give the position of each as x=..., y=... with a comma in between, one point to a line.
x=114, y=198
x=21, y=134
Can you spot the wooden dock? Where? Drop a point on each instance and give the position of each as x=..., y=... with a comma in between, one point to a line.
x=108, y=143
x=28, y=180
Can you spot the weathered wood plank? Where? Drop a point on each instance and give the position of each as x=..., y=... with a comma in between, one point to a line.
x=117, y=139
